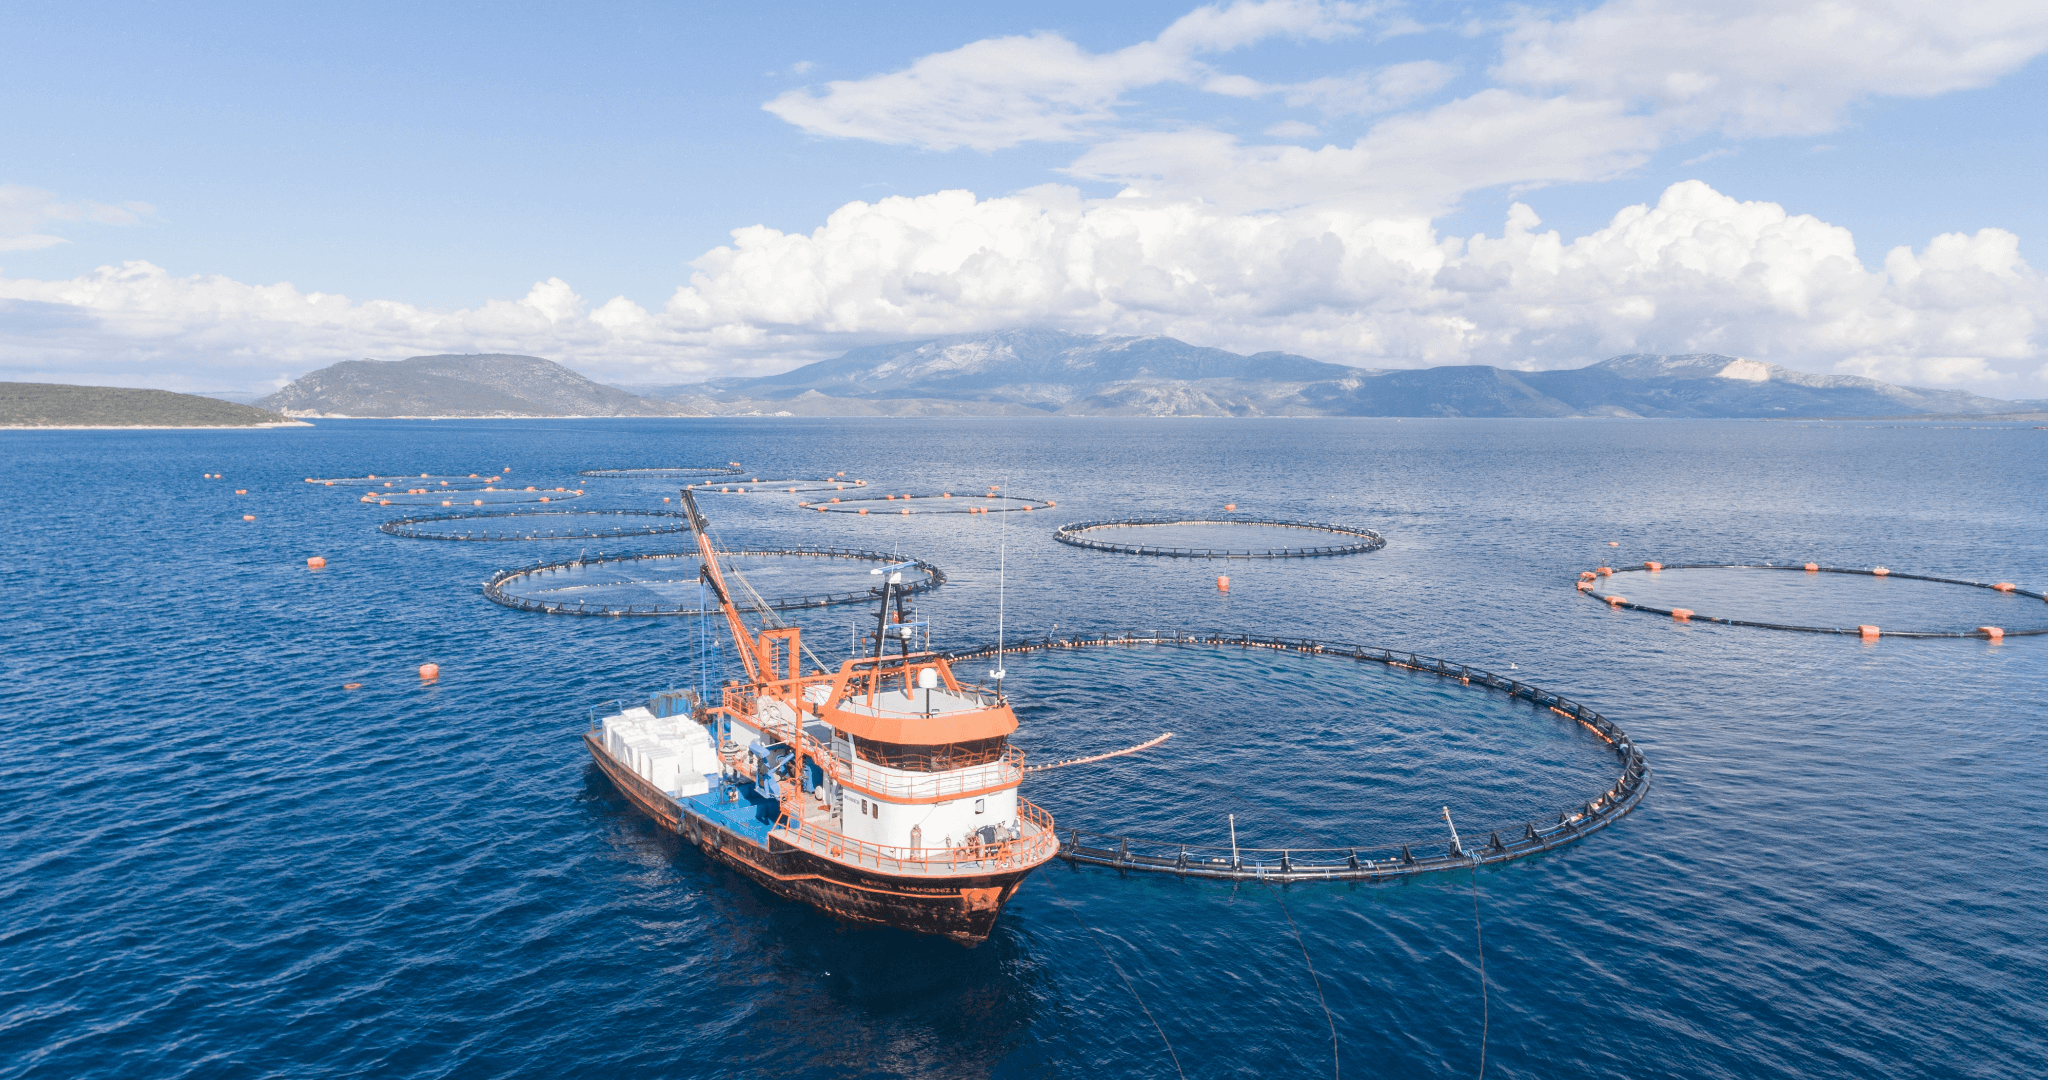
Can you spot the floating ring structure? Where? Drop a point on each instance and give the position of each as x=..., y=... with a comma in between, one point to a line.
x=1127, y=853
x=785, y=486
x=632, y=523
x=1360, y=540
x=944, y=502
x=676, y=472
x=495, y=588
x=435, y=480
x=422, y=496
x=1589, y=584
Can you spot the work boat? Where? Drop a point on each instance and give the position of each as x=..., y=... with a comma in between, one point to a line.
x=885, y=793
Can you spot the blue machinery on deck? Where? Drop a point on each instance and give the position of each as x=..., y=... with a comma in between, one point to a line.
x=1683, y=615
x=1126, y=853
x=1366, y=539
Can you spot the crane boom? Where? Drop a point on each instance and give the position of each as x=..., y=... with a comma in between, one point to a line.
x=707, y=553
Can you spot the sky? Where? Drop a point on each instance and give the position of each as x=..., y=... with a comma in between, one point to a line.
x=225, y=197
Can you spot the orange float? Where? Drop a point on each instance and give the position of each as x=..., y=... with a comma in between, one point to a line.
x=430, y=672
x=315, y=563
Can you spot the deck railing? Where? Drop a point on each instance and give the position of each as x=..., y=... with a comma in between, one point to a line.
x=1035, y=843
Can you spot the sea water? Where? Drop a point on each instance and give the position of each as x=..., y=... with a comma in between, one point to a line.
x=220, y=860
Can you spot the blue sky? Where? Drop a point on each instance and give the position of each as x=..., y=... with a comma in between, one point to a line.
x=225, y=196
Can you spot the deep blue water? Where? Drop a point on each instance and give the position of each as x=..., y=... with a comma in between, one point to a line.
x=219, y=862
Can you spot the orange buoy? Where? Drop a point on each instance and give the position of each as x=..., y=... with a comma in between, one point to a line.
x=1992, y=632
x=1049, y=502
x=1584, y=585
x=946, y=495
x=891, y=498
x=1653, y=566
x=819, y=509
x=1616, y=601
x=446, y=502
x=543, y=498
x=248, y=517
x=1587, y=575
x=351, y=686
x=444, y=483
x=2003, y=586
x=834, y=500
x=476, y=502
x=241, y=491
x=664, y=500
x=1605, y=571
x=1680, y=614
x=1614, y=543
x=1880, y=572
x=903, y=511
x=330, y=483
x=383, y=502
x=1813, y=568
x=1869, y=632
x=1230, y=506
x=863, y=513
x=315, y=563
x=430, y=671
x=1222, y=583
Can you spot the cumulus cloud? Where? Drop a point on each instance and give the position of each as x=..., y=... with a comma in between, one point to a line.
x=25, y=211
x=1697, y=272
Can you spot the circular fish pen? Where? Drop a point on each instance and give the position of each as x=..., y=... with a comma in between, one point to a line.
x=401, y=483
x=514, y=525
x=942, y=502
x=666, y=583
x=784, y=486
x=677, y=472
x=1196, y=538
x=2001, y=601
x=1335, y=778
x=488, y=495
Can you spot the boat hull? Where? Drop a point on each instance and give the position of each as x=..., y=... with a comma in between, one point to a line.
x=962, y=908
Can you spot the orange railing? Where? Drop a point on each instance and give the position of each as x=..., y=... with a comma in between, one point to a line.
x=1035, y=844
x=1006, y=771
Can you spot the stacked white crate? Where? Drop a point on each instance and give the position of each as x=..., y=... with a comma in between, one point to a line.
x=672, y=753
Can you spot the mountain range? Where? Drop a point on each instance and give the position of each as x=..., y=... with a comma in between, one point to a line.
x=479, y=385
x=1041, y=372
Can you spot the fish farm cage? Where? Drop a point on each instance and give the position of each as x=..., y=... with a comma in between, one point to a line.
x=944, y=502
x=1358, y=540
x=800, y=485
x=1590, y=585
x=489, y=495
x=678, y=472
x=516, y=525
x=388, y=480
x=499, y=587
x=1089, y=847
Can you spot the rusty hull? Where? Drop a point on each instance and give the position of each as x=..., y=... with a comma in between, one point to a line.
x=961, y=908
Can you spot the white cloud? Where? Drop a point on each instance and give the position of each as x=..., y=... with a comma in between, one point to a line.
x=1697, y=272
x=24, y=211
x=1002, y=92
x=1771, y=67
x=1358, y=93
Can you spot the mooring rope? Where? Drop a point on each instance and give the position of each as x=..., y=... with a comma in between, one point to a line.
x=1317, y=980
x=1485, y=1008
x=1099, y=757
x=1132, y=987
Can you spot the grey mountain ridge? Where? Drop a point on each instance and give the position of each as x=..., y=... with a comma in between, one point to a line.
x=1040, y=372
x=64, y=405
x=480, y=385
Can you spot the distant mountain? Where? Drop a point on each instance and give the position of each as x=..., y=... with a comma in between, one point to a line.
x=1038, y=372
x=32, y=405
x=486, y=384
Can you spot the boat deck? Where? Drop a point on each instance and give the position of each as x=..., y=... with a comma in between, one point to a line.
x=743, y=818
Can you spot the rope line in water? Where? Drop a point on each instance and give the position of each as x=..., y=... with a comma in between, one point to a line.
x=498, y=587
x=1485, y=1007
x=1313, y=977
x=1132, y=987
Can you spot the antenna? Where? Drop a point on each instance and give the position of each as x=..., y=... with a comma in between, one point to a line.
x=1002, y=583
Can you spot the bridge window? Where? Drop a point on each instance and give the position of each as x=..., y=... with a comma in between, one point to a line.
x=932, y=757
